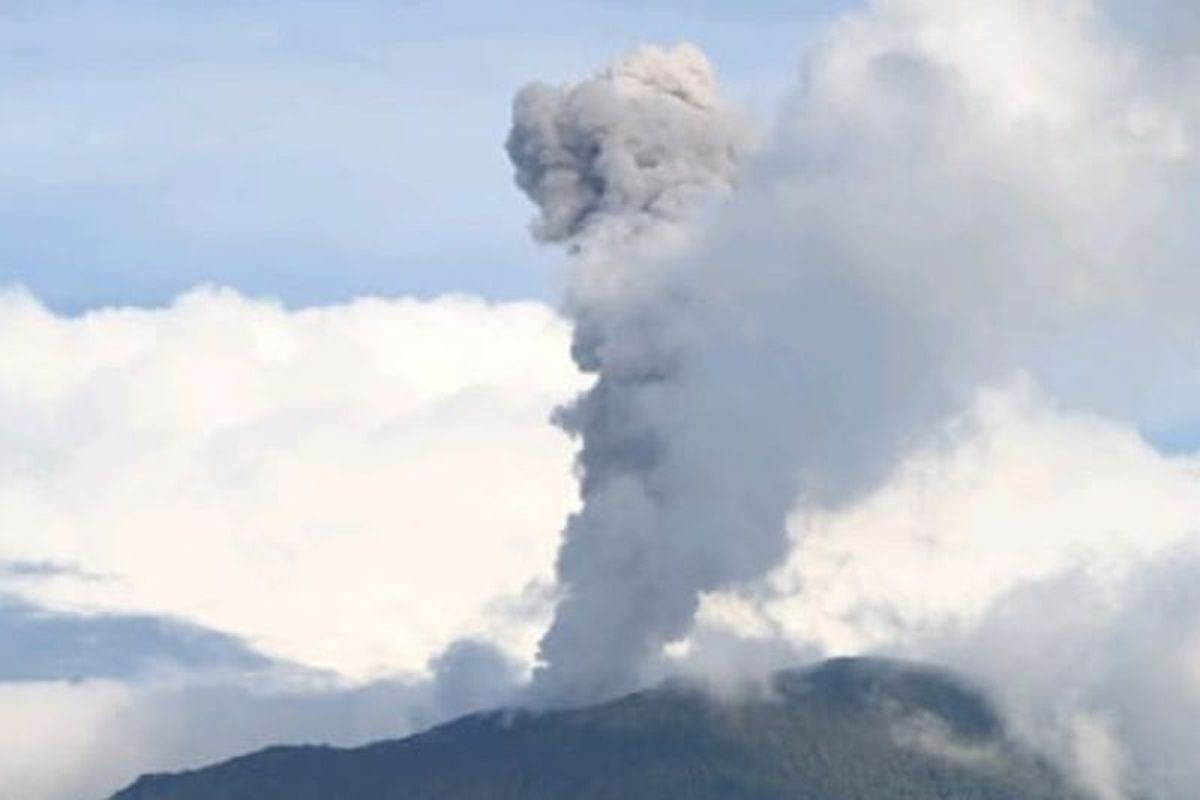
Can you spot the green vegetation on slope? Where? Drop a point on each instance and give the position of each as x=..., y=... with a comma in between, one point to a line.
x=851, y=729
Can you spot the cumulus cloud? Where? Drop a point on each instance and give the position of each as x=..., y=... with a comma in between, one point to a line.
x=1022, y=491
x=303, y=480
x=1046, y=553
x=228, y=524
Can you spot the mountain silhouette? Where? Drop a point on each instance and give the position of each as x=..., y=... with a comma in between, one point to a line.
x=848, y=729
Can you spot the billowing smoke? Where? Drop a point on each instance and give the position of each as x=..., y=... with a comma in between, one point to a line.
x=1101, y=674
x=956, y=193
x=616, y=164
x=633, y=147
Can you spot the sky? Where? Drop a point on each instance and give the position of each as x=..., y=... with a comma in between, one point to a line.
x=310, y=151
x=845, y=327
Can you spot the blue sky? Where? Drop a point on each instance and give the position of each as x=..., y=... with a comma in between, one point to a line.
x=311, y=151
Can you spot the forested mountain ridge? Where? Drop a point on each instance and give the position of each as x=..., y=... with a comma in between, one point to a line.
x=849, y=729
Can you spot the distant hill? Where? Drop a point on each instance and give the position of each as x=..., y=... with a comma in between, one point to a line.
x=849, y=729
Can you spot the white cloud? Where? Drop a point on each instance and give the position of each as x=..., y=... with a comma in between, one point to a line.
x=1020, y=491
x=350, y=487
x=46, y=729
x=85, y=740
x=1046, y=553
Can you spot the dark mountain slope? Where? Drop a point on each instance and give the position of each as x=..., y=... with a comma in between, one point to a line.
x=848, y=729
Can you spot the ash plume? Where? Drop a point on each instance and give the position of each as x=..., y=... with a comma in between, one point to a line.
x=634, y=146
x=780, y=329
x=614, y=164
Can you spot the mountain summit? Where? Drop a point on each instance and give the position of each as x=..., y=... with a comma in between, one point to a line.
x=848, y=729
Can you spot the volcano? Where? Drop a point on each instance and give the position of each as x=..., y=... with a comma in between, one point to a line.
x=847, y=729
